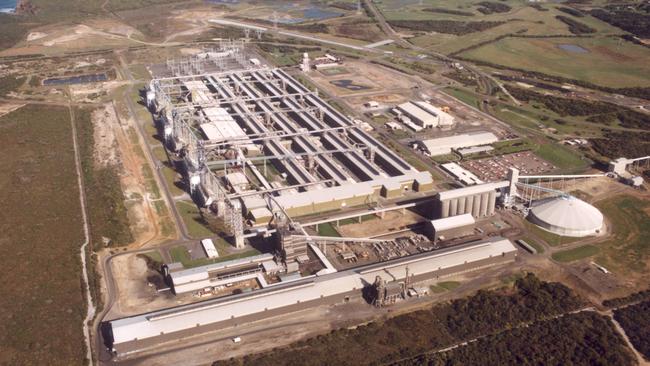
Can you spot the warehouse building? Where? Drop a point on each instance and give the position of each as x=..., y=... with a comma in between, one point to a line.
x=425, y=115
x=438, y=227
x=217, y=274
x=135, y=333
x=461, y=174
x=445, y=145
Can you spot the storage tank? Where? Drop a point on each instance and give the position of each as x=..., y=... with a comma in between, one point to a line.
x=566, y=216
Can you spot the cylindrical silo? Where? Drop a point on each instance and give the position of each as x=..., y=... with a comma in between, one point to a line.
x=477, y=205
x=461, y=206
x=469, y=204
x=484, y=204
x=492, y=202
x=453, y=207
x=444, y=212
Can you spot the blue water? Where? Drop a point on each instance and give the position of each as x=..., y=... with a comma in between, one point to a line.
x=572, y=48
x=7, y=6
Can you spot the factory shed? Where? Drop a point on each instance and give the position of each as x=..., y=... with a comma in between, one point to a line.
x=445, y=145
x=139, y=332
x=198, y=278
x=444, y=118
x=461, y=174
x=436, y=227
x=418, y=115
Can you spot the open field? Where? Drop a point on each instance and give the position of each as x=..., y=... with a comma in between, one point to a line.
x=609, y=62
x=561, y=156
x=628, y=251
x=41, y=302
x=520, y=19
x=194, y=222
x=575, y=254
x=327, y=229
x=547, y=236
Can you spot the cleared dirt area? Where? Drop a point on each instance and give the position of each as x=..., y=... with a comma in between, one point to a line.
x=377, y=79
x=392, y=221
x=134, y=294
x=106, y=152
x=6, y=108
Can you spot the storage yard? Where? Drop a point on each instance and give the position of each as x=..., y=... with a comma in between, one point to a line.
x=496, y=168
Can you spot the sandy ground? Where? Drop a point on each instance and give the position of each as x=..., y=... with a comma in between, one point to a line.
x=106, y=152
x=392, y=221
x=134, y=294
x=6, y=108
x=379, y=79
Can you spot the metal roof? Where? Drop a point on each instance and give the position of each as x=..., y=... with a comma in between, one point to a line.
x=462, y=174
x=453, y=222
x=444, y=145
x=211, y=311
x=419, y=114
x=568, y=216
x=472, y=190
x=200, y=273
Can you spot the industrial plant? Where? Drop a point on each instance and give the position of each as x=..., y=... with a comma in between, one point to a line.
x=272, y=161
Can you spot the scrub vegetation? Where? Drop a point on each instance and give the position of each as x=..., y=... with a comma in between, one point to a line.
x=104, y=197
x=42, y=303
x=408, y=335
x=635, y=319
x=584, y=339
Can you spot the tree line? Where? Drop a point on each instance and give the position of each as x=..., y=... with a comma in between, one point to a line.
x=455, y=27
x=635, y=319
x=583, y=339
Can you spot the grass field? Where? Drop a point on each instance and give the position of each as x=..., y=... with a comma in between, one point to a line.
x=521, y=19
x=575, y=254
x=561, y=156
x=171, y=177
x=608, y=61
x=327, y=229
x=42, y=304
x=463, y=95
x=356, y=220
x=629, y=248
x=193, y=221
x=449, y=285
x=550, y=238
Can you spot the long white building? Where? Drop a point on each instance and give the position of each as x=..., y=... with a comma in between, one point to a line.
x=425, y=115
x=137, y=333
x=445, y=145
